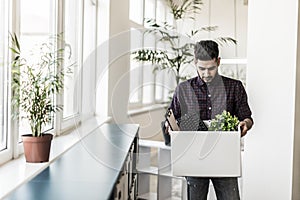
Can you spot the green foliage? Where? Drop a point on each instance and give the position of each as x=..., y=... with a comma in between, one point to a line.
x=185, y=8
x=35, y=83
x=224, y=122
x=178, y=51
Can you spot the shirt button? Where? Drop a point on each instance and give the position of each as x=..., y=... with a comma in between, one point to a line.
x=209, y=108
x=209, y=95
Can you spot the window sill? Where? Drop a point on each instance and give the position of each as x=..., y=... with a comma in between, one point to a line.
x=145, y=109
x=17, y=171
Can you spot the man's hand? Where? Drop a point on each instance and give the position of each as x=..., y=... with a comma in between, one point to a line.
x=168, y=129
x=245, y=125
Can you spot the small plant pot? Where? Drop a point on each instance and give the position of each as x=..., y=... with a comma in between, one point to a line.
x=37, y=149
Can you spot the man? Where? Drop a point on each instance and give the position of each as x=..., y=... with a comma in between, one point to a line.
x=209, y=94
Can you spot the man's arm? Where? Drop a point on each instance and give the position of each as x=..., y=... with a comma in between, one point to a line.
x=175, y=106
x=243, y=110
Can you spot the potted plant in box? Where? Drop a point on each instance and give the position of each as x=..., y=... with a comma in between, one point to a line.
x=224, y=122
x=35, y=82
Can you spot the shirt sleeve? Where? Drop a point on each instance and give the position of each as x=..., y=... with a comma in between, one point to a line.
x=242, y=107
x=175, y=103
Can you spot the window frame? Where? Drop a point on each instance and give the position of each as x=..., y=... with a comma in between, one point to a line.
x=15, y=23
x=62, y=123
x=164, y=95
x=6, y=153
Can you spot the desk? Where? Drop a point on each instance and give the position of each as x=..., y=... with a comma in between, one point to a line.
x=91, y=169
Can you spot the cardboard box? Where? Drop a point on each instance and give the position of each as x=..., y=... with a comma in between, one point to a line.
x=206, y=153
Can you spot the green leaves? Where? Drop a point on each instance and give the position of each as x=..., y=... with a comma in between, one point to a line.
x=224, y=122
x=185, y=8
x=35, y=83
x=225, y=40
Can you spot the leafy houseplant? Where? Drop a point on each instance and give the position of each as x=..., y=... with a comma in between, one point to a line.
x=224, y=122
x=178, y=51
x=35, y=82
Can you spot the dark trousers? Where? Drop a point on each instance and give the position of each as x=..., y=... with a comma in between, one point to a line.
x=225, y=188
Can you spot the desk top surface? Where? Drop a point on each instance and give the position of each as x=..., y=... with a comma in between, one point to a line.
x=88, y=170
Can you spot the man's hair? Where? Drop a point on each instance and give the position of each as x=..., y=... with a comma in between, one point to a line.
x=206, y=50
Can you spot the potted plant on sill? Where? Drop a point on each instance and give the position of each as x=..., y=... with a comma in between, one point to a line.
x=34, y=84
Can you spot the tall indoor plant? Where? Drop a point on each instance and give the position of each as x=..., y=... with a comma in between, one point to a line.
x=178, y=51
x=34, y=83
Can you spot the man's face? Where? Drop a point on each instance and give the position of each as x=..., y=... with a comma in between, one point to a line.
x=207, y=69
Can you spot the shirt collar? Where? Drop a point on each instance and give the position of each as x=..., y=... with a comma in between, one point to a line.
x=200, y=81
x=215, y=81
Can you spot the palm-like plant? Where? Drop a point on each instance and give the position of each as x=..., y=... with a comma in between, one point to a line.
x=34, y=84
x=184, y=8
x=179, y=49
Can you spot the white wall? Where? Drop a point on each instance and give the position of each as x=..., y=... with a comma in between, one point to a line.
x=149, y=122
x=296, y=157
x=119, y=45
x=272, y=48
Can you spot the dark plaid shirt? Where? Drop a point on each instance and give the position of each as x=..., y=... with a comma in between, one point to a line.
x=210, y=99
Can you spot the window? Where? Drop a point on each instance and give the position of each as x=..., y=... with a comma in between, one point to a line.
x=33, y=25
x=148, y=75
x=136, y=11
x=146, y=87
x=36, y=25
x=89, y=59
x=73, y=13
x=5, y=136
x=136, y=68
x=162, y=78
x=150, y=9
x=3, y=65
x=102, y=59
x=234, y=68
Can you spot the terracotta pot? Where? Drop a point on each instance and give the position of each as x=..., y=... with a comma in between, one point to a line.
x=37, y=149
